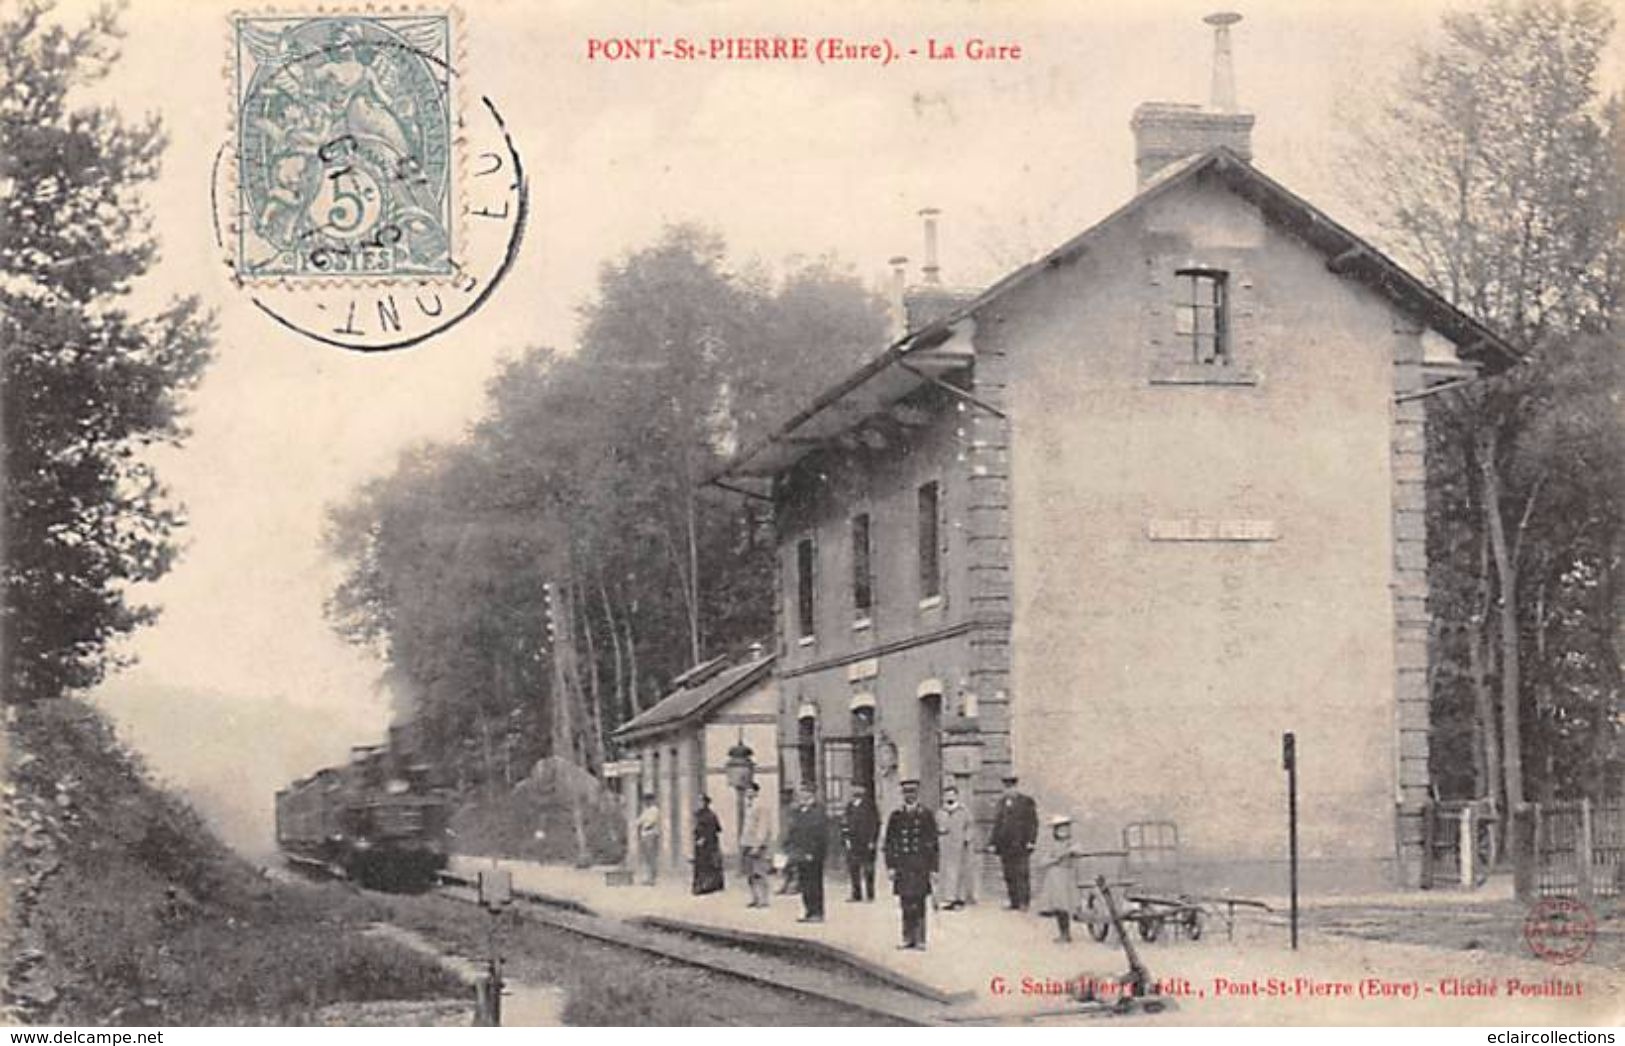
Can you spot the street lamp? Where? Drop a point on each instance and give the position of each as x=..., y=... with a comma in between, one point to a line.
x=741, y=771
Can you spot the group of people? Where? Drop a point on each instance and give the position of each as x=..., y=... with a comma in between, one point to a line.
x=930, y=855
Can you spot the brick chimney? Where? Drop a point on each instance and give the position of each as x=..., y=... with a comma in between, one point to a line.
x=1167, y=132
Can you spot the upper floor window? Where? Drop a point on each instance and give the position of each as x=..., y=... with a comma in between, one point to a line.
x=1200, y=316
x=929, y=536
x=863, y=588
x=805, y=560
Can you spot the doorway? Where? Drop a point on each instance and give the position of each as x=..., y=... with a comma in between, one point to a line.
x=931, y=751
x=863, y=749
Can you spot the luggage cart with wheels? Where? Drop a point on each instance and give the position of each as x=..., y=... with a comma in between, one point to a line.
x=1146, y=874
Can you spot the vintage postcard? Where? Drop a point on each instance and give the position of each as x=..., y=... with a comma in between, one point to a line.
x=973, y=514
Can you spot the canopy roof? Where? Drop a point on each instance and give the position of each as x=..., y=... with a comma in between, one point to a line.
x=698, y=692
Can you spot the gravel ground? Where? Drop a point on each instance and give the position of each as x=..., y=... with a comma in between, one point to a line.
x=1465, y=927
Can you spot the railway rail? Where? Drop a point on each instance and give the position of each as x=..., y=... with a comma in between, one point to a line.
x=824, y=977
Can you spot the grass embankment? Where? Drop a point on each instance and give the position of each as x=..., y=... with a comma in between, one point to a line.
x=126, y=909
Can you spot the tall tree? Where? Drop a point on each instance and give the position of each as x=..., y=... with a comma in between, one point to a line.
x=86, y=384
x=1498, y=171
x=587, y=474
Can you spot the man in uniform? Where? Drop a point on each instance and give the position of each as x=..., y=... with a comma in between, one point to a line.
x=860, y=829
x=1015, y=830
x=804, y=842
x=911, y=857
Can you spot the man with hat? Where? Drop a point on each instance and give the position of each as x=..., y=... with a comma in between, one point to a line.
x=860, y=829
x=805, y=841
x=1015, y=830
x=911, y=857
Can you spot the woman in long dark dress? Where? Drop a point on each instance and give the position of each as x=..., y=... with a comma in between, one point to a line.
x=707, y=849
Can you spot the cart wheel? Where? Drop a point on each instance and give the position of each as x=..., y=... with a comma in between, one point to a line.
x=1193, y=925
x=1149, y=928
x=1100, y=927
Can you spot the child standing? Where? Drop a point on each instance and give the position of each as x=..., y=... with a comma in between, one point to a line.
x=1058, y=895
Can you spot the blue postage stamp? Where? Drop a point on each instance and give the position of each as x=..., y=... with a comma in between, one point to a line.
x=344, y=135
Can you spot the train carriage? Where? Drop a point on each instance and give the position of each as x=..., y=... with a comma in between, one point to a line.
x=375, y=820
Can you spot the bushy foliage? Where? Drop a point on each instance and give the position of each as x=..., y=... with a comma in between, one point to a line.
x=86, y=383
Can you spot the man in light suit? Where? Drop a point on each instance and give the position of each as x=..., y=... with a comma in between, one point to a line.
x=755, y=844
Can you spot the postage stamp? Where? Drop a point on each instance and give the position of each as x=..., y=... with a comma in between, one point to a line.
x=344, y=138
x=366, y=196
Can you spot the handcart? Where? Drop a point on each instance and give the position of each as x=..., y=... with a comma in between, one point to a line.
x=1148, y=876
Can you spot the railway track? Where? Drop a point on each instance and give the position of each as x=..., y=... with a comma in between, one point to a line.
x=821, y=976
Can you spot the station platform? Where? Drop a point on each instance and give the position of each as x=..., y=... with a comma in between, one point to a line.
x=986, y=963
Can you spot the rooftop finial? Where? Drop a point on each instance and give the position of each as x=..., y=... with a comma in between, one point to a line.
x=1224, y=69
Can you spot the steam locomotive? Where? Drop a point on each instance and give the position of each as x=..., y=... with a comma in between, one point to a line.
x=377, y=820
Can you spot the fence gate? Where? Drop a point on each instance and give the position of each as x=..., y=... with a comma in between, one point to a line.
x=1571, y=849
x=1458, y=843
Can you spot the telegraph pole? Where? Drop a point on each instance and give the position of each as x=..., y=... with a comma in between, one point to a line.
x=1289, y=763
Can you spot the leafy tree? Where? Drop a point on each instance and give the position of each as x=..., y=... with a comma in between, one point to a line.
x=1498, y=172
x=87, y=384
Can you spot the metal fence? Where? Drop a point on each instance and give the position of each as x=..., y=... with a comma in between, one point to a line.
x=1458, y=843
x=1571, y=849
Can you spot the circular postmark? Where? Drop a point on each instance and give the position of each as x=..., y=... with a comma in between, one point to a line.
x=357, y=202
x=1560, y=930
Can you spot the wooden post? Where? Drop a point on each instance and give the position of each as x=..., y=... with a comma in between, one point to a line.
x=1464, y=847
x=1523, y=834
x=631, y=805
x=488, y=1000
x=688, y=763
x=1289, y=760
x=1430, y=843
x=1583, y=853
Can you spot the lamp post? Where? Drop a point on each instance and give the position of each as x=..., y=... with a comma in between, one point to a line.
x=741, y=771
